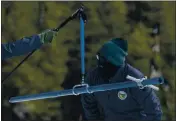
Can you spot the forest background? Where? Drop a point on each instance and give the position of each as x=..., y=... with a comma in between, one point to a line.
x=56, y=66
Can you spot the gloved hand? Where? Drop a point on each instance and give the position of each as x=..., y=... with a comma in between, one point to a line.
x=47, y=36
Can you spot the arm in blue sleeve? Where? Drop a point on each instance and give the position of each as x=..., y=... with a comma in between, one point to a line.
x=20, y=47
x=149, y=102
x=90, y=105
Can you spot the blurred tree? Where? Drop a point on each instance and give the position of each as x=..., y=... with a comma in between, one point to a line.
x=167, y=41
x=164, y=14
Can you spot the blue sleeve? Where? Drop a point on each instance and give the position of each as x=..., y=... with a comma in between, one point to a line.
x=20, y=47
x=90, y=105
x=148, y=101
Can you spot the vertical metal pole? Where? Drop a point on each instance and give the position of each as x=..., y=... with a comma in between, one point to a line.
x=82, y=44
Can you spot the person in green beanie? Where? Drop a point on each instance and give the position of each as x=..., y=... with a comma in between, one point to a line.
x=129, y=104
x=111, y=57
x=26, y=44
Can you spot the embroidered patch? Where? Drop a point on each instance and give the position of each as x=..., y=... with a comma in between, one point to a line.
x=122, y=95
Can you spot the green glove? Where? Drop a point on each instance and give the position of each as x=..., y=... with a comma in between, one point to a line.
x=47, y=36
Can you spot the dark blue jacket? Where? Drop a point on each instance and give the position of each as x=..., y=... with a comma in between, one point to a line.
x=20, y=47
x=138, y=105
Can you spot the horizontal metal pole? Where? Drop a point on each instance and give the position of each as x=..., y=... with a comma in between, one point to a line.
x=86, y=89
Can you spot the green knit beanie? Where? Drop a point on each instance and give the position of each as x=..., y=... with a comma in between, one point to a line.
x=114, y=51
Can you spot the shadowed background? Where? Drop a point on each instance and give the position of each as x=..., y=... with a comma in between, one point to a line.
x=56, y=66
